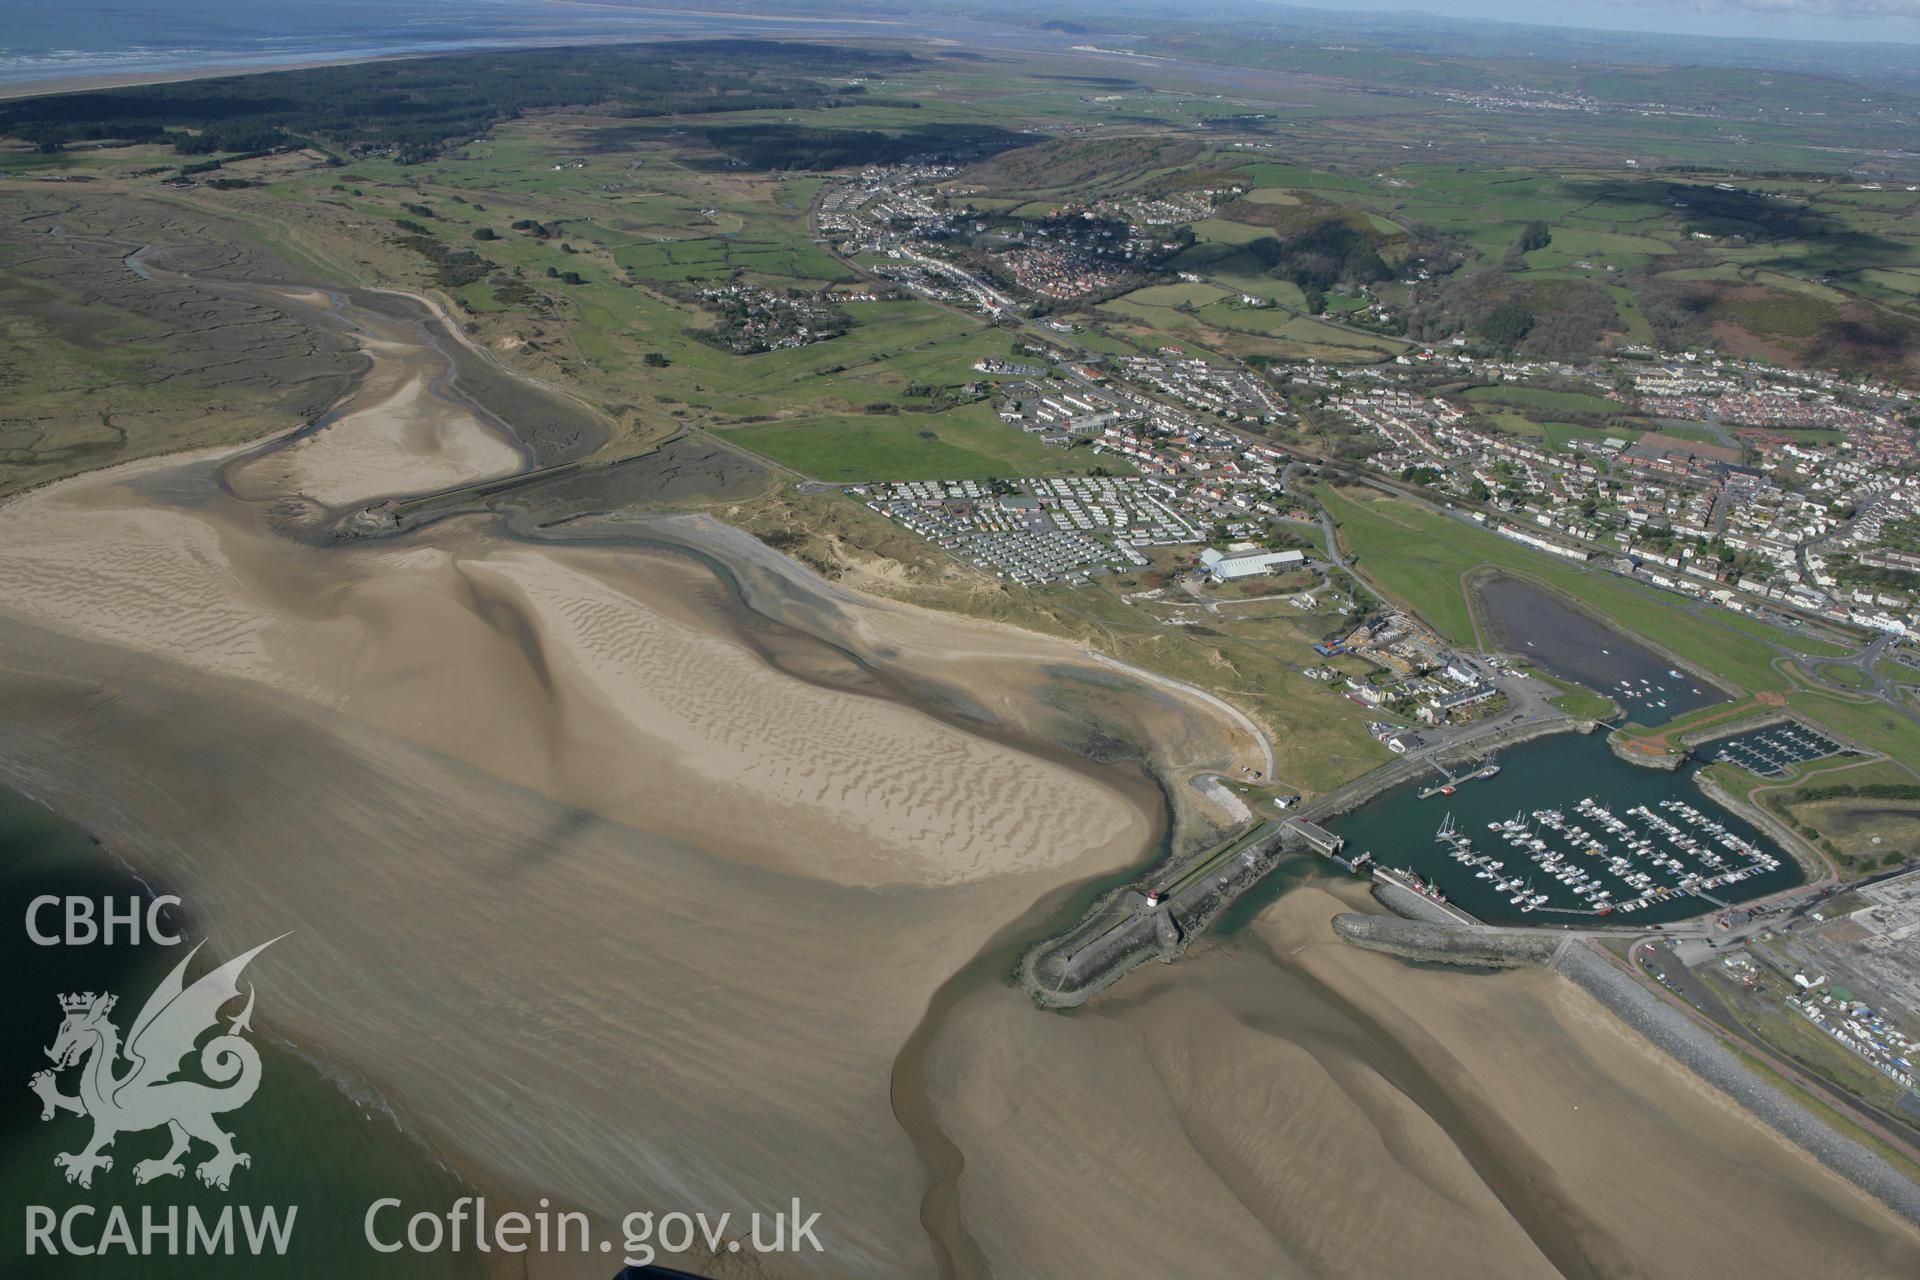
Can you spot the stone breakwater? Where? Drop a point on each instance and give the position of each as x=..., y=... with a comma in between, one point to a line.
x=1448, y=943
x=1403, y=901
x=1122, y=930
x=1667, y=762
x=1667, y=1027
x=1760, y=718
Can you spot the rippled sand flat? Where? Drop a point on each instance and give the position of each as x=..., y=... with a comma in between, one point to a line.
x=1288, y=1106
x=647, y=871
x=617, y=910
x=588, y=1010
x=581, y=672
x=834, y=774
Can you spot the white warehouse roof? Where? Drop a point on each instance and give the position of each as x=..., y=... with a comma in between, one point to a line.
x=1224, y=566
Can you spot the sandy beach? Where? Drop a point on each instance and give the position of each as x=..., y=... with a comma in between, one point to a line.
x=411, y=441
x=1288, y=1105
x=644, y=869
x=609, y=678
x=627, y=893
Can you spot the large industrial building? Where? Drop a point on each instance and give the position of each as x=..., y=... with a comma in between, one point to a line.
x=1222, y=566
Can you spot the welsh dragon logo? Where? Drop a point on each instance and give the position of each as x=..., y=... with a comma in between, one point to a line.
x=147, y=1094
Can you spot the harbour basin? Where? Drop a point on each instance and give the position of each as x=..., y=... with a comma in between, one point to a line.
x=1564, y=833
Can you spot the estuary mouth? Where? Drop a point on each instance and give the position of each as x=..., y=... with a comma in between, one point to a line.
x=1008, y=645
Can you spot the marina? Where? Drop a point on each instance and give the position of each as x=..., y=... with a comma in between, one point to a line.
x=1654, y=700
x=1771, y=751
x=1567, y=643
x=1565, y=834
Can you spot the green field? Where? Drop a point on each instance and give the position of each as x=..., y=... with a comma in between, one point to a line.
x=1423, y=559
x=1543, y=400
x=1798, y=641
x=1576, y=700
x=968, y=443
x=1851, y=677
x=1872, y=724
x=1568, y=436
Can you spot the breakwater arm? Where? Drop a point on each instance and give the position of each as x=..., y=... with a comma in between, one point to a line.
x=1448, y=943
x=1128, y=927
x=1124, y=929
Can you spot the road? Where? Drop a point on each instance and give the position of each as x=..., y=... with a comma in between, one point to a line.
x=1864, y=659
x=1331, y=537
x=1056, y=340
x=1531, y=699
x=1648, y=956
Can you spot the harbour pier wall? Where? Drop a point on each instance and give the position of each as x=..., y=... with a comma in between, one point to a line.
x=1123, y=930
x=1126, y=928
